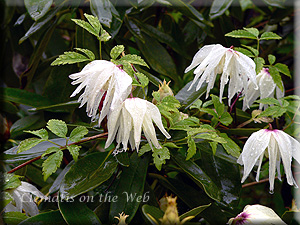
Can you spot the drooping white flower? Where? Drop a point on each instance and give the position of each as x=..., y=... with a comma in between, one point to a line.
x=215, y=59
x=277, y=145
x=99, y=77
x=128, y=121
x=266, y=88
x=256, y=214
x=23, y=199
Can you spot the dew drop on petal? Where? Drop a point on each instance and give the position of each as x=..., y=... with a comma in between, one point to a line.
x=271, y=192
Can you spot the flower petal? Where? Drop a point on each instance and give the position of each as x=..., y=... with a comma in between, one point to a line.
x=137, y=109
x=273, y=151
x=156, y=117
x=200, y=56
x=253, y=148
x=287, y=148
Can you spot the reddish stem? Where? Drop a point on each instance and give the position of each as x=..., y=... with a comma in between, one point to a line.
x=75, y=143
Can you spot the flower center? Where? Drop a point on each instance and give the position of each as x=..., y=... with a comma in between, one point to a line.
x=240, y=219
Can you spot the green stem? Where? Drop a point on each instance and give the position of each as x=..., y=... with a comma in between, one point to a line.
x=100, y=54
x=55, y=143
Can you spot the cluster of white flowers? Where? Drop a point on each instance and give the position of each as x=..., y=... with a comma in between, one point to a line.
x=127, y=117
x=211, y=60
x=266, y=88
x=216, y=59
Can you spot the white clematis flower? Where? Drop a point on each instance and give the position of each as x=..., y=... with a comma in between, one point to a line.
x=277, y=145
x=215, y=59
x=98, y=77
x=266, y=88
x=256, y=214
x=23, y=199
x=133, y=116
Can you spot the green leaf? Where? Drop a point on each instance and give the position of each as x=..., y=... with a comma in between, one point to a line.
x=36, y=8
x=144, y=81
x=48, y=218
x=159, y=156
x=60, y=107
x=154, y=212
x=116, y=51
x=9, y=181
x=170, y=145
x=74, y=150
x=194, y=212
x=51, y=164
x=28, y=144
x=38, y=25
x=85, y=25
x=76, y=211
x=19, y=96
x=133, y=59
x=269, y=101
x=209, y=111
x=274, y=111
x=186, y=98
x=78, y=133
x=218, y=8
x=211, y=137
x=145, y=148
x=241, y=34
x=42, y=133
x=51, y=150
x=153, y=79
x=253, y=50
x=213, y=146
x=87, y=173
x=197, y=174
x=230, y=146
x=271, y=59
x=130, y=189
x=162, y=37
x=104, y=10
x=196, y=105
x=244, y=51
x=219, y=106
x=226, y=118
x=283, y=69
x=276, y=77
x=58, y=127
x=104, y=36
x=94, y=21
x=30, y=122
x=157, y=57
x=270, y=36
x=69, y=58
x=253, y=31
x=189, y=11
x=192, y=148
x=89, y=53
x=123, y=158
x=11, y=155
x=223, y=173
x=259, y=63
x=14, y=218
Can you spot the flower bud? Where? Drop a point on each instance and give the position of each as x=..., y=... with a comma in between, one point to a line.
x=164, y=90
